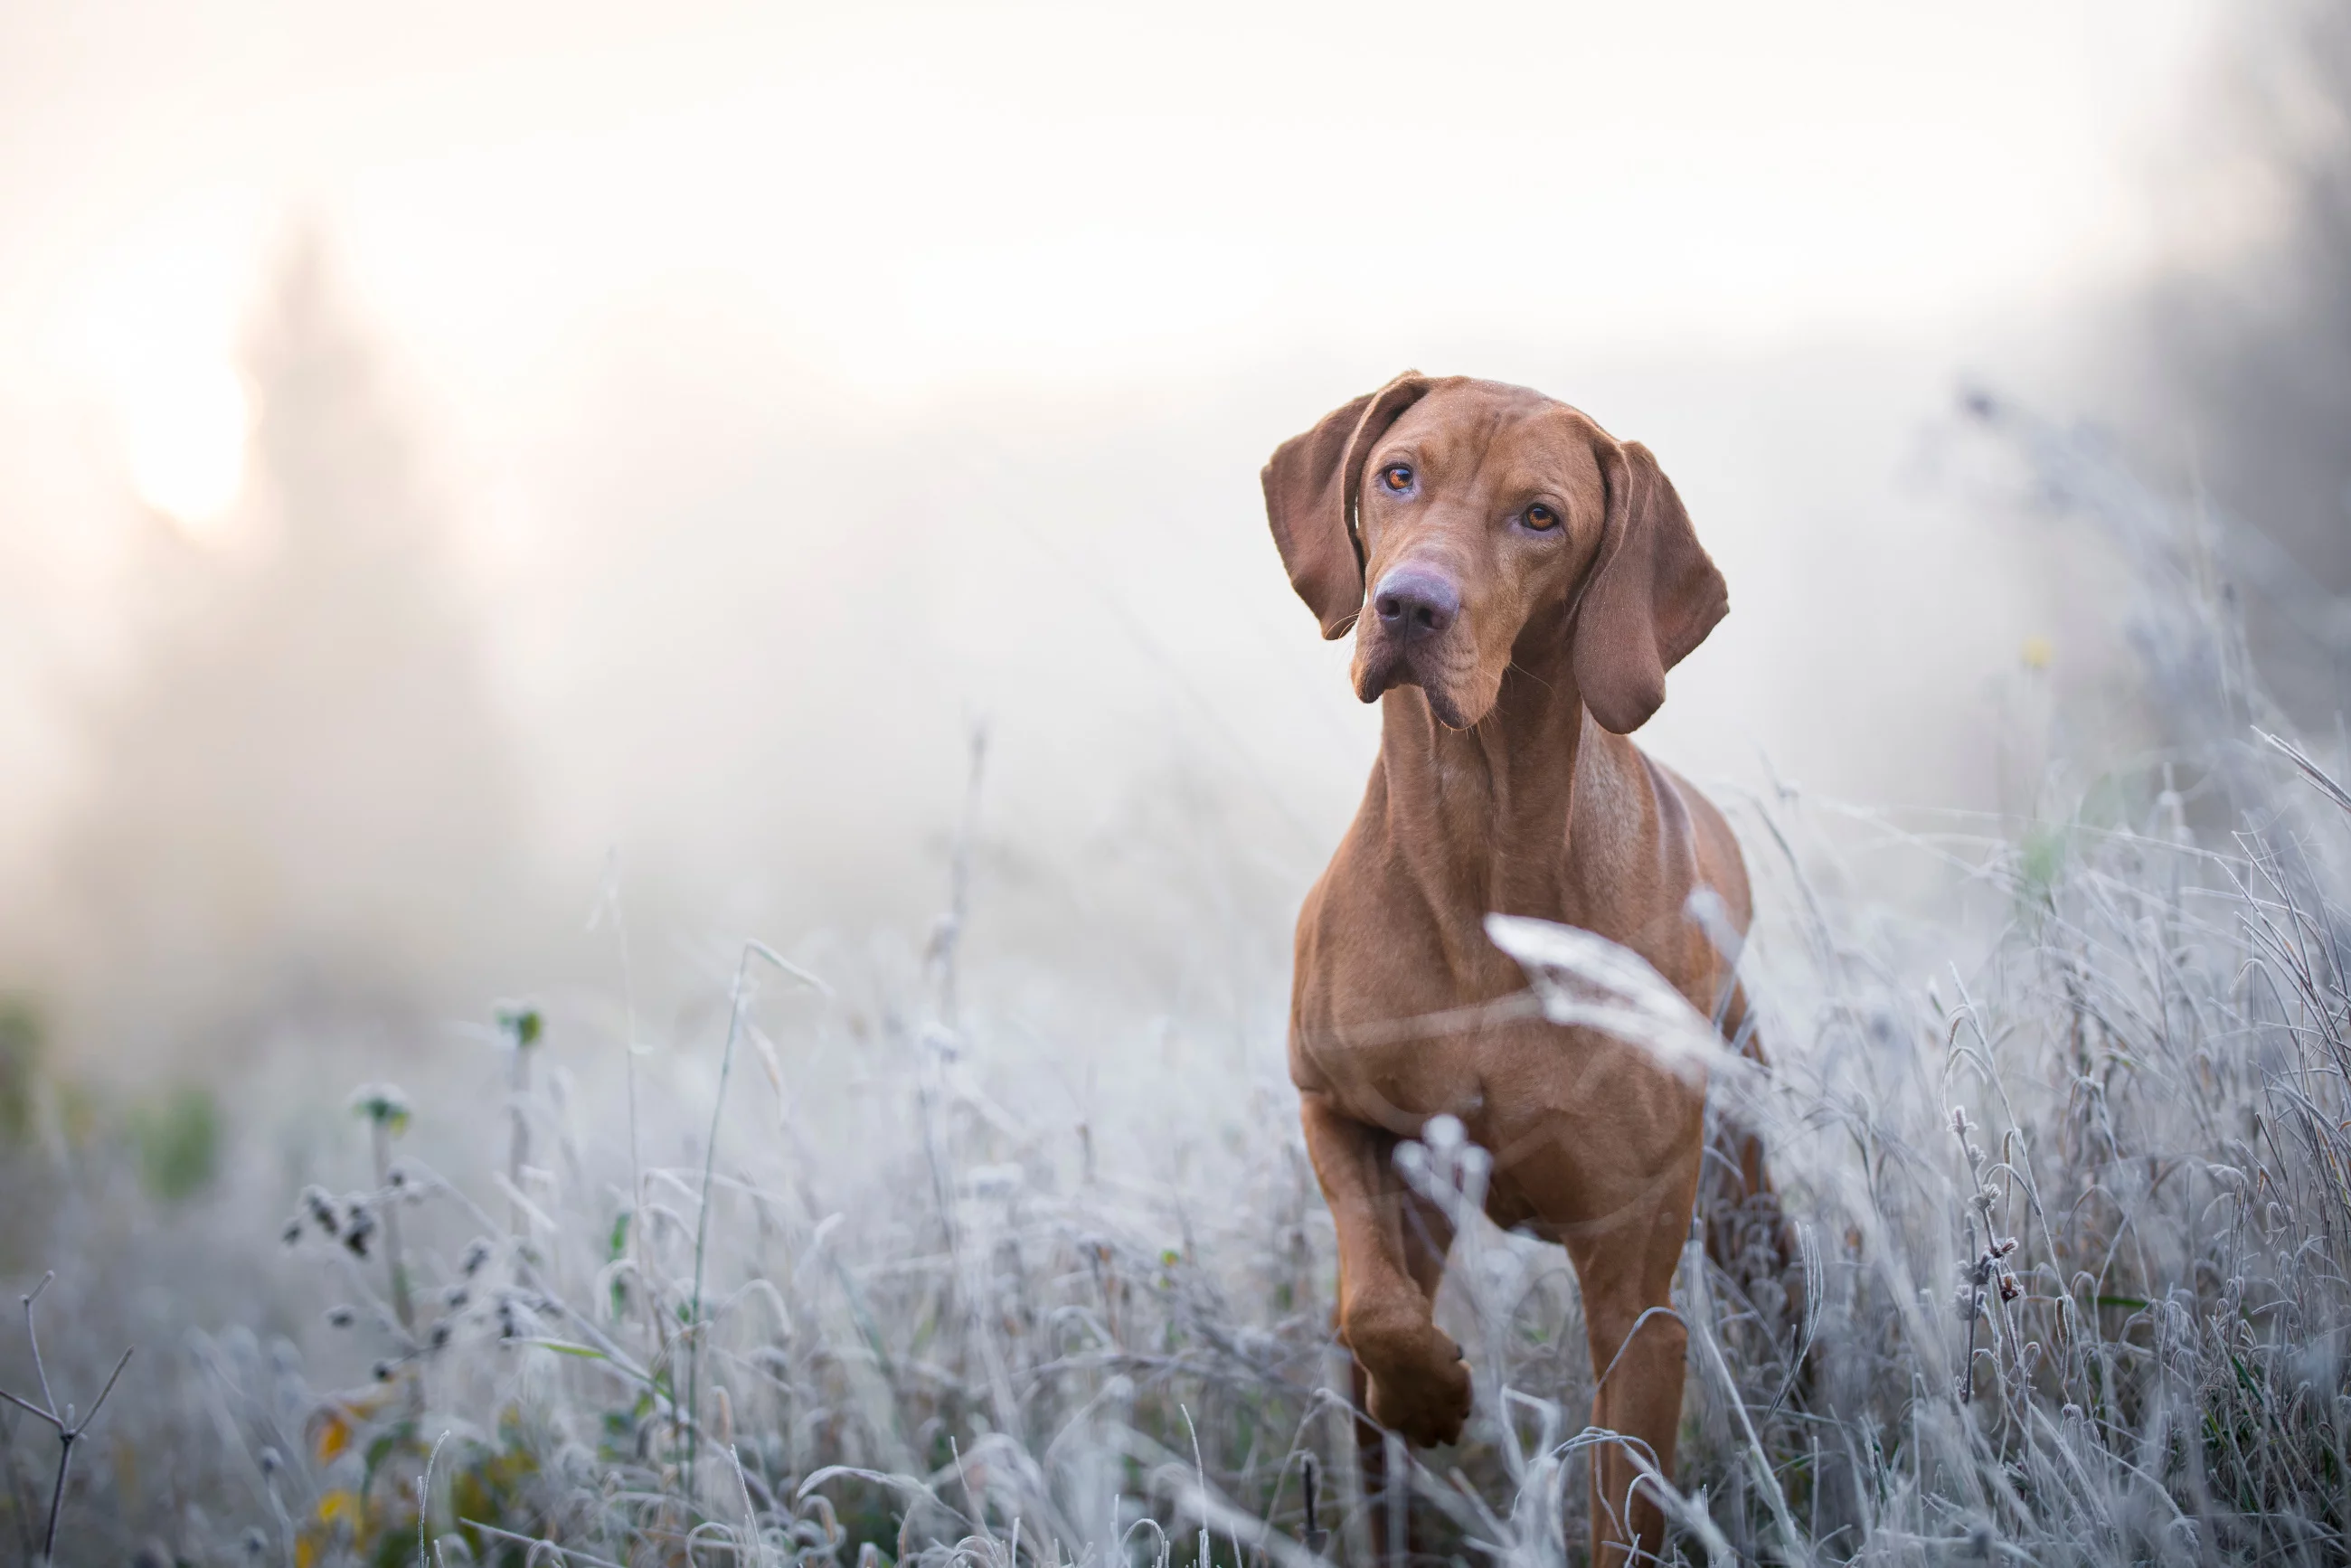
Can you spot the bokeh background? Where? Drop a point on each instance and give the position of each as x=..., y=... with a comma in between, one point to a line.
x=453, y=459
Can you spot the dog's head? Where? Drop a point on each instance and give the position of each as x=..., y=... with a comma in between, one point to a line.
x=1449, y=521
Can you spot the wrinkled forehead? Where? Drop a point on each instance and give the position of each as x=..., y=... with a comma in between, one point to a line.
x=1466, y=432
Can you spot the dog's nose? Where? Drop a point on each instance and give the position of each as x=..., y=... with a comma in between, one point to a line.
x=1415, y=602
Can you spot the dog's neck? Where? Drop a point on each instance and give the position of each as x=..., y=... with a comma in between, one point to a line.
x=1480, y=819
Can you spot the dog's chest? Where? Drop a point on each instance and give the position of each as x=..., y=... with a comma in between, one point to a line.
x=1395, y=1043
x=1400, y=1088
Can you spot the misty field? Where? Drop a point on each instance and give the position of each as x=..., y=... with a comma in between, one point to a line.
x=882, y=1253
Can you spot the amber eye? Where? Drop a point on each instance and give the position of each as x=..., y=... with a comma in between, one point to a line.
x=1396, y=476
x=1541, y=519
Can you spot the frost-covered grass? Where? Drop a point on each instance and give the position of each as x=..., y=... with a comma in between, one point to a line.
x=870, y=1263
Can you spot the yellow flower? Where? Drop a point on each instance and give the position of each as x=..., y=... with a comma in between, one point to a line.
x=336, y=1422
x=340, y=1507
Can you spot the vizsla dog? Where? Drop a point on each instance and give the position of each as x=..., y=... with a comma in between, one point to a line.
x=1519, y=582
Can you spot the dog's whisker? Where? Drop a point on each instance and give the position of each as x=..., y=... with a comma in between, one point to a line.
x=1529, y=674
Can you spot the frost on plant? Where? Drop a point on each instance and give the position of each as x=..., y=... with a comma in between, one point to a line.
x=2062, y=1142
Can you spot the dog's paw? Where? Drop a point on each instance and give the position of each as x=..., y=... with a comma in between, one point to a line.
x=1427, y=1404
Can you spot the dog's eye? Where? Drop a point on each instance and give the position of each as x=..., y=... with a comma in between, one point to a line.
x=1396, y=476
x=1541, y=519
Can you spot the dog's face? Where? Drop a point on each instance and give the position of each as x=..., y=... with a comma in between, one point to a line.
x=1459, y=525
x=1480, y=512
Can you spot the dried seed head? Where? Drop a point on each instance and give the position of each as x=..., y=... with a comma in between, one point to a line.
x=478, y=1252
x=341, y=1317
x=441, y=1334
x=2008, y=1289
x=256, y=1544
x=322, y=1210
x=359, y=1228
x=270, y=1461
x=455, y=1296
x=385, y=1370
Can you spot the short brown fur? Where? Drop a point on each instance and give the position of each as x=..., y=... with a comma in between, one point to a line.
x=1505, y=782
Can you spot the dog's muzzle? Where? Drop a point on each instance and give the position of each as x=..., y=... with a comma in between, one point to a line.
x=1403, y=642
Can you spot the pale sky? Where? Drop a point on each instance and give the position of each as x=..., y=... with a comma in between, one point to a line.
x=914, y=193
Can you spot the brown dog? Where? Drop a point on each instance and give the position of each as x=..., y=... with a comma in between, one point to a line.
x=1519, y=582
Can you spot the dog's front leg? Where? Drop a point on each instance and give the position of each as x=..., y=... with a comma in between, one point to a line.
x=1392, y=1249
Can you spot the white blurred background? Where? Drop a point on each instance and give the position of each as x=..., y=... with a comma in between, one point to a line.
x=453, y=457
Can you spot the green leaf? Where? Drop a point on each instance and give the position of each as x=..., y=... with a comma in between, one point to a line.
x=565, y=1347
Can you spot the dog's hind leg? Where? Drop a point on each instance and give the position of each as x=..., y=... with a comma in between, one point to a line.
x=1638, y=1345
x=1747, y=1236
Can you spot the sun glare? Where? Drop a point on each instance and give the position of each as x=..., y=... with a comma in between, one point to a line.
x=184, y=429
x=151, y=330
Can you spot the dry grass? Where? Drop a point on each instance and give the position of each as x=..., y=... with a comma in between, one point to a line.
x=2068, y=1137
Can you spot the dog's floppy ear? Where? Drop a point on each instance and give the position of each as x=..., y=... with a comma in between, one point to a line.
x=1312, y=487
x=1651, y=597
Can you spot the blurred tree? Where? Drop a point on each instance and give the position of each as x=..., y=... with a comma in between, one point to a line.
x=2249, y=355
x=304, y=798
